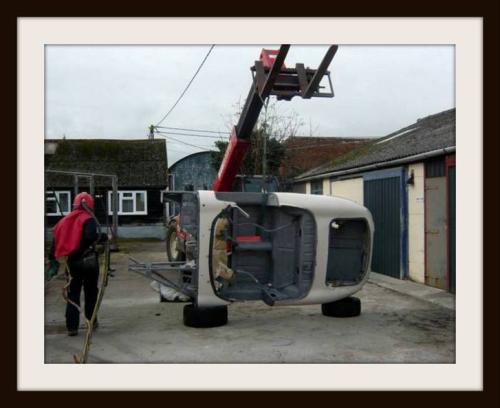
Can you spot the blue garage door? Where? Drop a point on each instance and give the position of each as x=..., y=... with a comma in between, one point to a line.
x=382, y=196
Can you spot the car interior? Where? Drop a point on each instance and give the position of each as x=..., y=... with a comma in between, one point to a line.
x=270, y=249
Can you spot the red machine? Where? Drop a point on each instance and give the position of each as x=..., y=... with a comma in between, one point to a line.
x=270, y=77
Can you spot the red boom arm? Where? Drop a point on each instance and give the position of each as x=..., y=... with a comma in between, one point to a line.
x=271, y=77
x=235, y=153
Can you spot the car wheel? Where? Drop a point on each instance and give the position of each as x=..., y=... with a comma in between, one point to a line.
x=195, y=316
x=347, y=307
x=173, y=253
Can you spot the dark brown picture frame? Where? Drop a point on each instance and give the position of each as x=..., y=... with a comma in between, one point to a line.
x=489, y=11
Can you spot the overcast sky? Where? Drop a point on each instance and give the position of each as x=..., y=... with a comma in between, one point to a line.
x=116, y=92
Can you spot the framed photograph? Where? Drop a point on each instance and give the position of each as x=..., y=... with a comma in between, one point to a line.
x=299, y=225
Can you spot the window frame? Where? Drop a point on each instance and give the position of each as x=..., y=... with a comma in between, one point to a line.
x=57, y=195
x=134, y=202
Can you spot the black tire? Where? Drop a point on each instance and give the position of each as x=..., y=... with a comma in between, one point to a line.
x=205, y=316
x=347, y=307
x=173, y=255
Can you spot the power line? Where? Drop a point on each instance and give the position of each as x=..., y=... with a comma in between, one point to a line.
x=192, y=130
x=187, y=86
x=167, y=136
x=186, y=143
x=180, y=150
x=188, y=134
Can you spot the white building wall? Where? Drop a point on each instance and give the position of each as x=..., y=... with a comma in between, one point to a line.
x=351, y=189
x=416, y=224
x=326, y=187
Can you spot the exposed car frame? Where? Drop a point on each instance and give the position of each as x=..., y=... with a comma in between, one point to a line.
x=330, y=263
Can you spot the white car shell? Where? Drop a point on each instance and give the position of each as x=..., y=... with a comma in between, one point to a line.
x=323, y=209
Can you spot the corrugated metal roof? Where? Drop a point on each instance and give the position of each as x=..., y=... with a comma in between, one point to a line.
x=427, y=134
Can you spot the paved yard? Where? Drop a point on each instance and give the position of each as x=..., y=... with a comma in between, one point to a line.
x=135, y=327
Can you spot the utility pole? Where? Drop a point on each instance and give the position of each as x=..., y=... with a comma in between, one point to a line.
x=151, y=132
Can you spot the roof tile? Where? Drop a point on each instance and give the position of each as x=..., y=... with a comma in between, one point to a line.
x=427, y=134
x=137, y=163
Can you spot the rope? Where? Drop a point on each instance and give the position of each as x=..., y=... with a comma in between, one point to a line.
x=66, y=286
x=104, y=268
x=103, y=273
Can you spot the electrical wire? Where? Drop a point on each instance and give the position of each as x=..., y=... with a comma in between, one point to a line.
x=187, y=86
x=206, y=148
x=170, y=149
x=193, y=130
x=188, y=134
x=188, y=144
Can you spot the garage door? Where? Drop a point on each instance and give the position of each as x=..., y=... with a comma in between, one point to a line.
x=382, y=196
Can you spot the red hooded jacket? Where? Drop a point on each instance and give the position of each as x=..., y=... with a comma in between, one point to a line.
x=68, y=232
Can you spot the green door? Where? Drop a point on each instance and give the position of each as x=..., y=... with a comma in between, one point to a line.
x=382, y=196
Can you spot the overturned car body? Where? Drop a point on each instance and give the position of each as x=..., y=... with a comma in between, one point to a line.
x=279, y=248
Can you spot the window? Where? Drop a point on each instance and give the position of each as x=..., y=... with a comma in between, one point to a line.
x=129, y=203
x=252, y=185
x=317, y=187
x=171, y=182
x=58, y=203
x=435, y=167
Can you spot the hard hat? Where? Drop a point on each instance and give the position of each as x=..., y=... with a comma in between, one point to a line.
x=83, y=198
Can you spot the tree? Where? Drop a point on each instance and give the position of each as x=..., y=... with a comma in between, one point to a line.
x=271, y=130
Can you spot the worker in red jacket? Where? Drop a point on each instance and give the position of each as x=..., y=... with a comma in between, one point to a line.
x=75, y=236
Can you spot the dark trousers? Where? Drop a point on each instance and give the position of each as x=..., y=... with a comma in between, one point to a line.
x=86, y=277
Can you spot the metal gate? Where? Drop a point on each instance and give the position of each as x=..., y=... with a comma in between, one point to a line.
x=382, y=196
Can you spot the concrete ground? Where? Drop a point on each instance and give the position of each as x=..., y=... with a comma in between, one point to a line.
x=401, y=322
